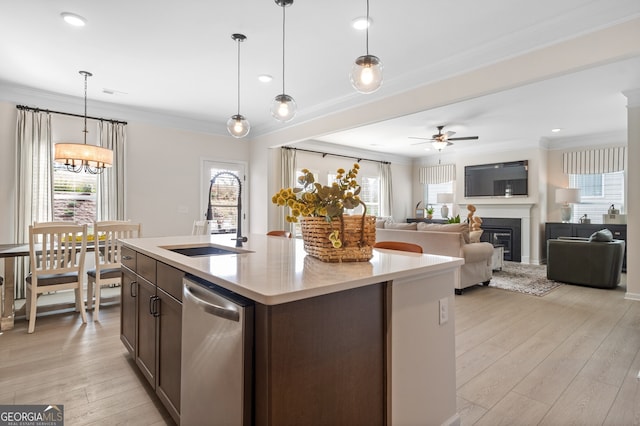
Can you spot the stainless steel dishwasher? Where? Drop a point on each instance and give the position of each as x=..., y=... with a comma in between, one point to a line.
x=217, y=355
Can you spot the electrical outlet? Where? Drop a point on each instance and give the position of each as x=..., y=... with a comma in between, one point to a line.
x=443, y=305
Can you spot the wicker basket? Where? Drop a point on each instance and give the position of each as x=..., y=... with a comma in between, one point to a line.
x=357, y=233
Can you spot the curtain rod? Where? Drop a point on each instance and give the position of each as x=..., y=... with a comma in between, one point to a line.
x=70, y=114
x=324, y=154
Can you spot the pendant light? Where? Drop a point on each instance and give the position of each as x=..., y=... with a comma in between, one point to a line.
x=238, y=126
x=283, y=107
x=80, y=157
x=366, y=73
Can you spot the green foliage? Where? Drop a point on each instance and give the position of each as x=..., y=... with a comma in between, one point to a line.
x=430, y=209
x=454, y=219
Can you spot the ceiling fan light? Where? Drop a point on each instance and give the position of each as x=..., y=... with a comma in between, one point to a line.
x=238, y=126
x=439, y=145
x=283, y=108
x=366, y=74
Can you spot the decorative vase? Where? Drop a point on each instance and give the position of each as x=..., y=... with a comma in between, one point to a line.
x=429, y=216
x=357, y=235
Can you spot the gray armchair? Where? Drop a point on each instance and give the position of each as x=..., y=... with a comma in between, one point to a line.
x=585, y=261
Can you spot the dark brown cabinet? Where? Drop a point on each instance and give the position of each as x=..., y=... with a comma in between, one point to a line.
x=584, y=230
x=151, y=324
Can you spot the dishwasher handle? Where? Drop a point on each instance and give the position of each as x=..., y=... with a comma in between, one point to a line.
x=211, y=308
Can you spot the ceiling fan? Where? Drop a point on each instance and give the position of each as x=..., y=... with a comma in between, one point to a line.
x=442, y=140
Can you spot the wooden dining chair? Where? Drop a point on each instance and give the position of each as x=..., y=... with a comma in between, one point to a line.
x=279, y=233
x=201, y=227
x=57, y=253
x=398, y=245
x=107, y=258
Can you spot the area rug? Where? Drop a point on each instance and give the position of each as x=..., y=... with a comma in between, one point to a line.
x=523, y=278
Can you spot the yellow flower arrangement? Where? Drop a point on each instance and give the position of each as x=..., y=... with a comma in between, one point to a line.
x=312, y=199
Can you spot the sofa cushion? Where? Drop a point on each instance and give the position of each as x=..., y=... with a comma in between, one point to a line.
x=406, y=226
x=463, y=228
x=603, y=235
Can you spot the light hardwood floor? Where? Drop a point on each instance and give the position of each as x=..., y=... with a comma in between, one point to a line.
x=569, y=358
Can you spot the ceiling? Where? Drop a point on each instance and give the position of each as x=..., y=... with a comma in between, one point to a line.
x=176, y=61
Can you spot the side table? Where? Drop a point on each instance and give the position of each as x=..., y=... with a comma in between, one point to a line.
x=497, y=260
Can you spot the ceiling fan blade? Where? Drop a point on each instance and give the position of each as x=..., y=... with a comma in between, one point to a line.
x=466, y=138
x=449, y=133
x=424, y=139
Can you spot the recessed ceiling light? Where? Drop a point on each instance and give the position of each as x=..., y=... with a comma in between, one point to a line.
x=265, y=78
x=556, y=130
x=73, y=19
x=361, y=23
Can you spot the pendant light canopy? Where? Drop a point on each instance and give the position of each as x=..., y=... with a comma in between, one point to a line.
x=283, y=107
x=366, y=73
x=80, y=157
x=238, y=126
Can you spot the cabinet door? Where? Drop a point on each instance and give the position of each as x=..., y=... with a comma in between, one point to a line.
x=146, y=329
x=128, y=293
x=169, y=352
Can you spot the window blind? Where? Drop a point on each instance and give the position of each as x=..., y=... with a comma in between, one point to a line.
x=438, y=174
x=594, y=161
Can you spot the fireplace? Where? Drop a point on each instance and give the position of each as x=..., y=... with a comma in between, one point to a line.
x=505, y=232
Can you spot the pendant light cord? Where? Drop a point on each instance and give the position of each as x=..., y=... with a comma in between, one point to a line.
x=367, y=32
x=238, y=41
x=283, y=37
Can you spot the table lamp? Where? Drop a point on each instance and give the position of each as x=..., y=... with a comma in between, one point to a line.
x=444, y=198
x=567, y=196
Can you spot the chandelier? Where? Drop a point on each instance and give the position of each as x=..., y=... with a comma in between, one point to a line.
x=80, y=157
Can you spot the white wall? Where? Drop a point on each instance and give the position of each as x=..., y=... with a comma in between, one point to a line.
x=163, y=169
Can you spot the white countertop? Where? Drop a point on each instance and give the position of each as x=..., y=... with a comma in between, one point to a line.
x=273, y=270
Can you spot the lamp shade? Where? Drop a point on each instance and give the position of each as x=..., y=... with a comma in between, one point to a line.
x=567, y=195
x=445, y=197
x=81, y=154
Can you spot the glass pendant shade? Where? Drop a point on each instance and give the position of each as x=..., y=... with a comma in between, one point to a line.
x=238, y=126
x=283, y=108
x=366, y=74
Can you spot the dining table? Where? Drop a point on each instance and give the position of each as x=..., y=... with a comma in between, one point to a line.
x=9, y=252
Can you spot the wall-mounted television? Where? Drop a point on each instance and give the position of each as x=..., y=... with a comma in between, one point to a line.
x=496, y=179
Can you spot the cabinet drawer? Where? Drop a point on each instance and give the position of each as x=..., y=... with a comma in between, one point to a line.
x=128, y=258
x=170, y=280
x=146, y=267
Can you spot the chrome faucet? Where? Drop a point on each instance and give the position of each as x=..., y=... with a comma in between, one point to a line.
x=239, y=238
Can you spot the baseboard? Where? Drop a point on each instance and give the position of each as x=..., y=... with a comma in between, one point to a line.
x=632, y=296
x=452, y=421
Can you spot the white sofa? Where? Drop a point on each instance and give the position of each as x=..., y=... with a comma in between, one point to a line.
x=446, y=240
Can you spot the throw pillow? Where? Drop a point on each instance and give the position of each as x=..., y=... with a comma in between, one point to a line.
x=603, y=235
x=474, y=236
x=463, y=228
x=406, y=226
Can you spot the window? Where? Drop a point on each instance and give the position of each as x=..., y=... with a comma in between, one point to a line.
x=224, y=194
x=431, y=191
x=74, y=195
x=369, y=192
x=597, y=193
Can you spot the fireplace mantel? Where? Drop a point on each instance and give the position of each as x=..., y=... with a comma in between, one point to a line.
x=520, y=211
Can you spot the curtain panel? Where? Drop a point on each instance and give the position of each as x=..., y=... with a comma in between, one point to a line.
x=288, y=164
x=110, y=191
x=384, y=170
x=594, y=161
x=33, y=181
x=441, y=173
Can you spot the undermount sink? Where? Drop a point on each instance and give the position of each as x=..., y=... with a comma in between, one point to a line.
x=195, y=251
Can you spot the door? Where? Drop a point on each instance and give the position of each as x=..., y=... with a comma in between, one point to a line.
x=169, y=352
x=224, y=194
x=146, y=336
x=128, y=292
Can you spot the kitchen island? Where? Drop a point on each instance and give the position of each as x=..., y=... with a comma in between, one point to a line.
x=333, y=343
